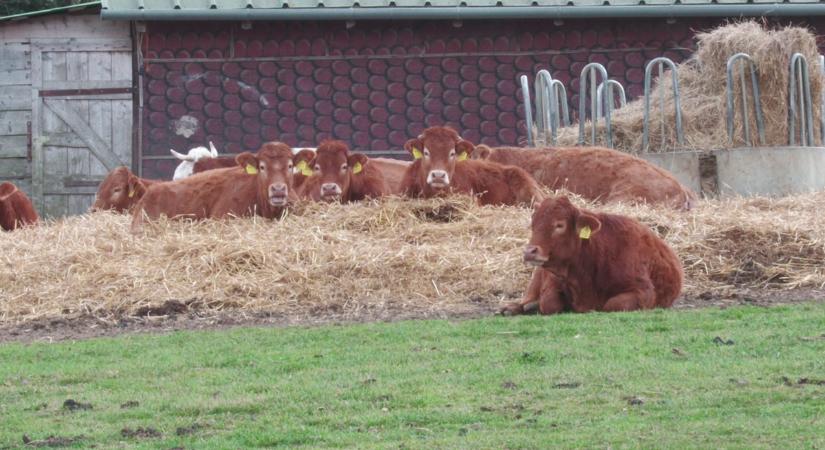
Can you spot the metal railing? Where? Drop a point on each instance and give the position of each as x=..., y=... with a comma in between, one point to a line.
x=800, y=86
x=591, y=70
x=551, y=107
x=611, y=85
x=757, y=104
x=662, y=61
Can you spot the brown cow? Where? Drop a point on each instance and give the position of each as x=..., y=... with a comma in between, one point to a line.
x=393, y=170
x=341, y=176
x=221, y=162
x=120, y=191
x=16, y=210
x=262, y=185
x=596, y=173
x=588, y=261
x=441, y=166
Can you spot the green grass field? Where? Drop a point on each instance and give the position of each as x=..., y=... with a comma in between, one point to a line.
x=654, y=379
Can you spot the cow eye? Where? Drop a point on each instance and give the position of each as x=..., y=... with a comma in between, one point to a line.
x=452, y=154
x=344, y=166
x=118, y=190
x=262, y=167
x=317, y=168
x=289, y=166
x=559, y=226
x=426, y=153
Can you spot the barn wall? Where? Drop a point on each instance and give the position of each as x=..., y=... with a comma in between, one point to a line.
x=56, y=42
x=374, y=85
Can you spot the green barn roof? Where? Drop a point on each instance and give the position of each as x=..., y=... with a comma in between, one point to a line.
x=447, y=9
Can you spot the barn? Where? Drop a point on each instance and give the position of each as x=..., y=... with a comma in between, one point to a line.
x=123, y=81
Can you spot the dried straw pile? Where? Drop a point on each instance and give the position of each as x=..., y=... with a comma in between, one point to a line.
x=436, y=257
x=702, y=85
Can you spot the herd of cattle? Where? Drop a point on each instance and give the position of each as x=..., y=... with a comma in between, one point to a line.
x=584, y=260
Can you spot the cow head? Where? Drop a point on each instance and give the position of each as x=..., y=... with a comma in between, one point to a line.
x=119, y=191
x=439, y=149
x=334, y=166
x=272, y=166
x=559, y=229
x=187, y=161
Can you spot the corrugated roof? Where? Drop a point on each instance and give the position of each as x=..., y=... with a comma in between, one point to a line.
x=58, y=10
x=449, y=9
x=225, y=5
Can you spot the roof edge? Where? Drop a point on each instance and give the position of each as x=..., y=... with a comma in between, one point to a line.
x=475, y=12
x=44, y=12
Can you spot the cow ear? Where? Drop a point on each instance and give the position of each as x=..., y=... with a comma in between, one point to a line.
x=357, y=162
x=248, y=161
x=12, y=190
x=302, y=162
x=136, y=186
x=464, y=149
x=415, y=147
x=587, y=225
x=482, y=152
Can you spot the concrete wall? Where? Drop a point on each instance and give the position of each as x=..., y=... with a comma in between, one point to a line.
x=762, y=171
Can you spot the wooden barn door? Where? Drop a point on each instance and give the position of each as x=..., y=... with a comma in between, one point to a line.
x=81, y=119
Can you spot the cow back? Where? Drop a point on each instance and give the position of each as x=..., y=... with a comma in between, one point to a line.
x=221, y=162
x=393, y=171
x=621, y=254
x=599, y=174
x=16, y=210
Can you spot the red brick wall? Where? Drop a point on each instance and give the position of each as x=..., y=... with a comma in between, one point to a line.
x=376, y=84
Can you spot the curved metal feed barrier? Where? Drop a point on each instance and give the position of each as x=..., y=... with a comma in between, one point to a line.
x=662, y=61
x=757, y=104
x=591, y=70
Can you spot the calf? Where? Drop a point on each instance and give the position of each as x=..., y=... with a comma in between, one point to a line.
x=341, y=176
x=596, y=173
x=188, y=161
x=587, y=261
x=120, y=191
x=442, y=166
x=261, y=184
x=16, y=210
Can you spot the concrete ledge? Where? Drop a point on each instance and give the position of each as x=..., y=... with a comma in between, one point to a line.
x=683, y=165
x=747, y=171
x=770, y=171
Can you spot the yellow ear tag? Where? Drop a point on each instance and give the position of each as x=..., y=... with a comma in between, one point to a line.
x=463, y=156
x=356, y=168
x=304, y=169
x=250, y=169
x=131, y=192
x=584, y=233
x=417, y=153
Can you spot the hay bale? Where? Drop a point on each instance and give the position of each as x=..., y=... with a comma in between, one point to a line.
x=702, y=85
x=389, y=258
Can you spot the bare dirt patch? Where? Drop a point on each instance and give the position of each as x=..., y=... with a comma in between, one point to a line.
x=90, y=326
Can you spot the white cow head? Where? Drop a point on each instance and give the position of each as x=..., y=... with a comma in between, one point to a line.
x=187, y=161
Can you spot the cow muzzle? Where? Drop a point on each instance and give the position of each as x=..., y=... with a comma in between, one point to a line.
x=438, y=179
x=330, y=192
x=533, y=256
x=278, y=194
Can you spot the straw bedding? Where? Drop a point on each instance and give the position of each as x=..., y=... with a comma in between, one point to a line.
x=702, y=81
x=429, y=256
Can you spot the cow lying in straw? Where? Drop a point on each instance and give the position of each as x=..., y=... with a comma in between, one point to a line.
x=120, y=191
x=16, y=209
x=260, y=184
x=595, y=262
x=442, y=166
x=340, y=176
x=596, y=173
